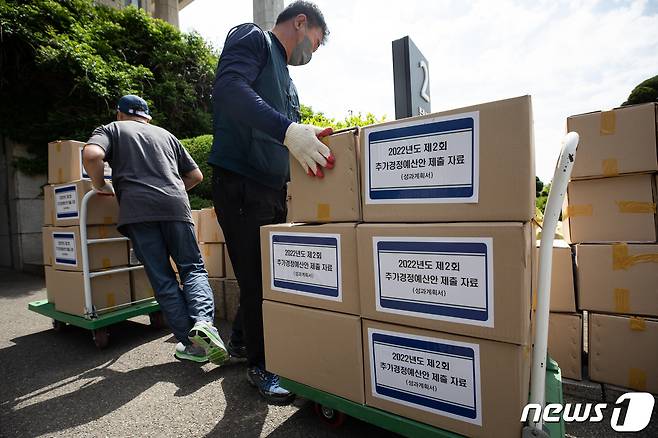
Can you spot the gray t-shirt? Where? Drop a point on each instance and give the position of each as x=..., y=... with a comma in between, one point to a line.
x=147, y=164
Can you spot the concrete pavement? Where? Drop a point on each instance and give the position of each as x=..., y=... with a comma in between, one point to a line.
x=60, y=384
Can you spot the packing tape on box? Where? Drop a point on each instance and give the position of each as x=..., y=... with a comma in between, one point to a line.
x=111, y=299
x=608, y=122
x=621, y=259
x=610, y=167
x=323, y=212
x=107, y=220
x=622, y=300
x=637, y=379
x=637, y=324
x=58, y=146
x=60, y=174
x=106, y=262
x=577, y=210
x=636, y=207
x=206, y=251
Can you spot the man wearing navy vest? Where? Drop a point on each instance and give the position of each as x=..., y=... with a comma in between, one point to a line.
x=256, y=125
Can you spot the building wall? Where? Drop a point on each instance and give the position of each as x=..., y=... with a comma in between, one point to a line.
x=266, y=11
x=166, y=10
x=21, y=203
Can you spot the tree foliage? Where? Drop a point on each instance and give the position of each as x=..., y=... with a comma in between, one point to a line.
x=542, y=196
x=320, y=119
x=646, y=91
x=65, y=63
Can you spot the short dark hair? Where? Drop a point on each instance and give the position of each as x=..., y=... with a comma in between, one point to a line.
x=312, y=12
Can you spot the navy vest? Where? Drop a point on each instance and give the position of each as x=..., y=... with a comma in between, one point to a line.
x=251, y=152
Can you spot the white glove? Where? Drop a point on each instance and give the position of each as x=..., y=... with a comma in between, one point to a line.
x=303, y=143
x=105, y=190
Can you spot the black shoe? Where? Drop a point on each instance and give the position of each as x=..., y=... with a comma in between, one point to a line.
x=268, y=386
x=238, y=351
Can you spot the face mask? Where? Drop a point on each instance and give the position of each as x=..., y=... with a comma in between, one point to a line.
x=302, y=53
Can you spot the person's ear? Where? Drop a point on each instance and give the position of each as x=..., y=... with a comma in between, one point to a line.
x=300, y=21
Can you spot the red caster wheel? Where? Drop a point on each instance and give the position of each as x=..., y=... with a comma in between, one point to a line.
x=101, y=337
x=58, y=326
x=157, y=320
x=329, y=416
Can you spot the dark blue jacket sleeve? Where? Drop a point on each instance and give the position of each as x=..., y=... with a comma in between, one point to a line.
x=243, y=57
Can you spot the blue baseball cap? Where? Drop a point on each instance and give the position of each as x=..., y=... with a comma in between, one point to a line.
x=134, y=106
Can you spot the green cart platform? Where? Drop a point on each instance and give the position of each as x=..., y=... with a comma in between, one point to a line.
x=333, y=409
x=99, y=326
x=96, y=319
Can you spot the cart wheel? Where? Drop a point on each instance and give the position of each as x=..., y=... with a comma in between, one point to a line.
x=329, y=416
x=101, y=337
x=58, y=326
x=157, y=320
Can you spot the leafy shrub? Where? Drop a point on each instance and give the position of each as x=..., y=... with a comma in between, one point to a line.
x=199, y=149
x=646, y=91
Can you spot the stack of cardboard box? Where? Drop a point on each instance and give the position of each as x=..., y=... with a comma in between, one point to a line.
x=565, y=324
x=610, y=217
x=215, y=257
x=414, y=310
x=62, y=246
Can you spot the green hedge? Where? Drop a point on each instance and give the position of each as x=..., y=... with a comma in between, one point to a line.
x=199, y=149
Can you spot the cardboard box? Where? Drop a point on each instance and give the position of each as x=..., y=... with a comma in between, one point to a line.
x=65, y=162
x=62, y=205
x=622, y=351
x=311, y=265
x=195, y=219
x=621, y=209
x=209, y=230
x=66, y=290
x=615, y=142
x=213, y=258
x=563, y=292
x=620, y=278
x=469, y=164
x=217, y=286
x=336, y=197
x=472, y=279
x=140, y=286
x=62, y=248
x=289, y=203
x=470, y=386
x=565, y=343
x=231, y=298
x=229, y=273
x=317, y=348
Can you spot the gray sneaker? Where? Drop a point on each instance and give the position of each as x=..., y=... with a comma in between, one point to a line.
x=206, y=336
x=190, y=352
x=268, y=386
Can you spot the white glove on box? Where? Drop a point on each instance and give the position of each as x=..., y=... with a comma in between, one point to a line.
x=303, y=143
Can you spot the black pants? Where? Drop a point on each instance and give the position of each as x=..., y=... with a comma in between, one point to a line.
x=243, y=206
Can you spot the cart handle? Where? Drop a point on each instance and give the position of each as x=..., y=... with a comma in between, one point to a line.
x=551, y=215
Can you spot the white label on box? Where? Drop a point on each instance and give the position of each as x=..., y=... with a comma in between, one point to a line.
x=443, y=278
x=107, y=170
x=64, y=249
x=306, y=264
x=66, y=202
x=432, y=374
x=434, y=160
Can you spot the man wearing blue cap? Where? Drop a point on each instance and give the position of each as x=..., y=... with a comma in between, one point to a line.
x=151, y=172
